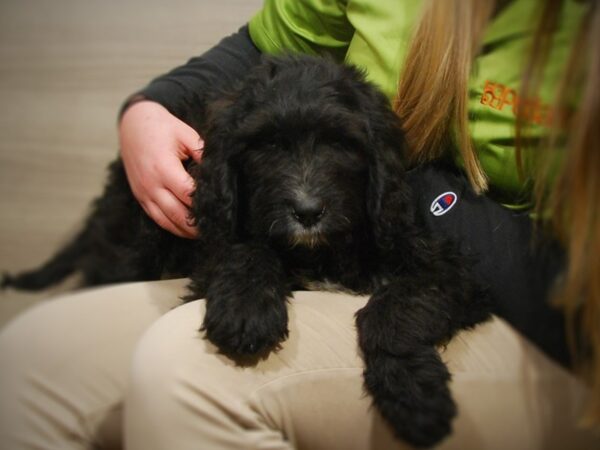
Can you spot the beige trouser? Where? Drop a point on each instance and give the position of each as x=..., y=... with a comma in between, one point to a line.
x=119, y=365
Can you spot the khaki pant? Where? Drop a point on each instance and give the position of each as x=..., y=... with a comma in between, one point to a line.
x=118, y=366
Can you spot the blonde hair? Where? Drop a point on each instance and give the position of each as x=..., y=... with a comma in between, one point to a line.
x=432, y=104
x=575, y=199
x=432, y=93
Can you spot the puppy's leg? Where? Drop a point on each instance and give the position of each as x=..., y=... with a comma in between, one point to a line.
x=399, y=329
x=246, y=292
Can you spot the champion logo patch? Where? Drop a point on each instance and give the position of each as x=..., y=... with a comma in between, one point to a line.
x=443, y=203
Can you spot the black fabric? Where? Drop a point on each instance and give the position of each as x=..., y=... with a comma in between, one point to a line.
x=184, y=90
x=511, y=259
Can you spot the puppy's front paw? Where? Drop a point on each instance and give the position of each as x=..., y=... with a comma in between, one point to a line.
x=411, y=393
x=246, y=321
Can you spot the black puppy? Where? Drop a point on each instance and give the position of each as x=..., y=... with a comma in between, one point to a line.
x=301, y=184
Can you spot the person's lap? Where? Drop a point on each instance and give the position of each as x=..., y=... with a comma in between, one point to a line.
x=69, y=361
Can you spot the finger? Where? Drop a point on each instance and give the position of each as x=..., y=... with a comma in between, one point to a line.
x=153, y=210
x=179, y=182
x=196, y=154
x=176, y=212
x=160, y=219
x=192, y=142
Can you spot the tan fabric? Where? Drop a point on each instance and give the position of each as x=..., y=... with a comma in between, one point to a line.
x=65, y=367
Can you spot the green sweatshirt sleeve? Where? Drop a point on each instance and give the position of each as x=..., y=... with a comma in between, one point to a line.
x=313, y=27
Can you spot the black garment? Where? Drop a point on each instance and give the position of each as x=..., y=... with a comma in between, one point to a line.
x=518, y=265
x=518, y=272
x=184, y=90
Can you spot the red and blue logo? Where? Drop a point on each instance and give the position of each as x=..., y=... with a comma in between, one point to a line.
x=443, y=203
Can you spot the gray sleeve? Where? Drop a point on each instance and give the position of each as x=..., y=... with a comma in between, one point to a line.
x=183, y=91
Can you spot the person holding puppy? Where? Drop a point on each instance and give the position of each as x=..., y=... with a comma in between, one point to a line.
x=506, y=91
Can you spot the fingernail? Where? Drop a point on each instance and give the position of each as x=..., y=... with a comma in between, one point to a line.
x=190, y=220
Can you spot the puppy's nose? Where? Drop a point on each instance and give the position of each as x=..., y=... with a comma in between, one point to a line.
x=308, y=211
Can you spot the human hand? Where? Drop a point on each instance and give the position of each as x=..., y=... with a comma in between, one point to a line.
x=153, y=145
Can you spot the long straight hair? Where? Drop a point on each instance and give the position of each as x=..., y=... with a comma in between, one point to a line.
x=432, y=103
x=432, y=93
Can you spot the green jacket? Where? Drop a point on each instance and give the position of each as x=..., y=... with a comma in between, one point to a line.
x=374, y=35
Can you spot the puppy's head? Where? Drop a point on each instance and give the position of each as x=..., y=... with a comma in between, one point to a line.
x=304, y=151
x=301, y=189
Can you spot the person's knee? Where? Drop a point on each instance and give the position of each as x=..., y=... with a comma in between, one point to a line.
x=167, y=357
x=176, y=384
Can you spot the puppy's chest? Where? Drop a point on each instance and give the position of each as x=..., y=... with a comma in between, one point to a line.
x=334, y=275
x=307, y=284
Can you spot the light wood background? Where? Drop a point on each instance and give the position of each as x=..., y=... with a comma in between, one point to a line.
x=65, y=68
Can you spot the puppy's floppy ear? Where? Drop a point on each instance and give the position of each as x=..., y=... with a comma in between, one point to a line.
x=389, y=207
x=215, y=203
x=388, y=198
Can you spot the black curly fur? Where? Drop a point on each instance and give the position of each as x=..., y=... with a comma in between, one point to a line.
x=301, y=180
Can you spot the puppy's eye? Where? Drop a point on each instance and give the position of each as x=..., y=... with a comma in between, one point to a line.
x=341, y=147
x=276, y=145
x=348, y=149
x=264, y=145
